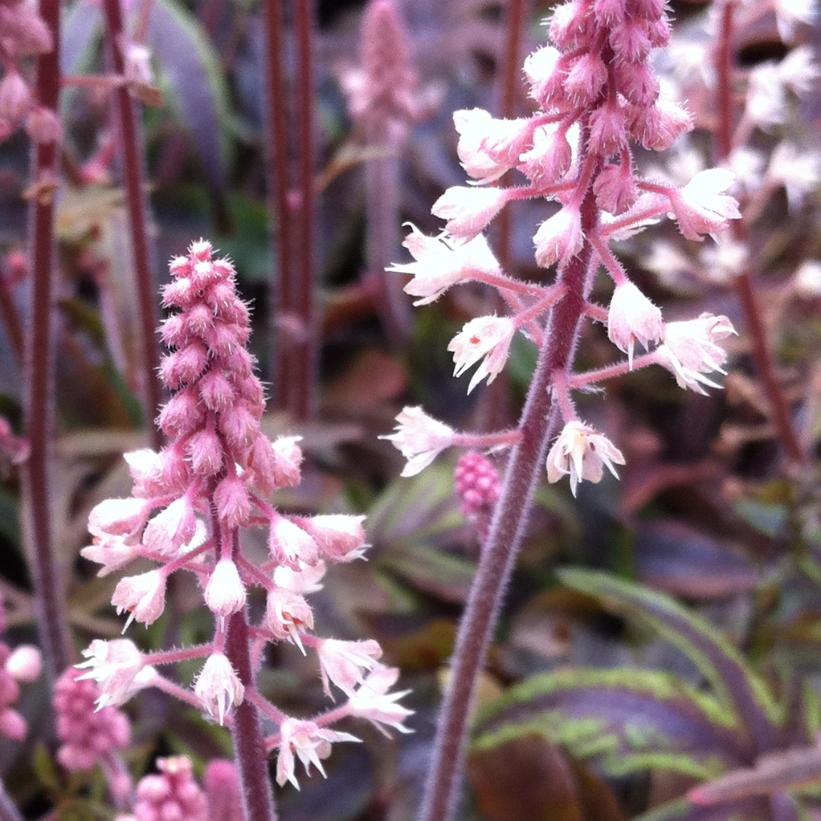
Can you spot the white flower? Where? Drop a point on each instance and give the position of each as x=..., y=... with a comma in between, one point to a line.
x=225, y=593
x=373, y=702
x=747, y=165
x=218, y=687
x=345, y=662
x=117, y=667
x=790, y=13
x=469, y=210
x=702, y=207
x=581, y=453
x=632, y=318
x=488, y=147
x=112, y=552
x=286, y=614
x=799, y=71
x=766, y=103
x=290, y=543
x=172, y=527
x=799, y=171
x=118, y=517
x=689, y=350
x=539, y=67
x=420, y=439
x=142, y=595
x=441, y=262
x=310, y=742
x=807, y=279
x=487, y=338
x=559, y=238
x=305, y=580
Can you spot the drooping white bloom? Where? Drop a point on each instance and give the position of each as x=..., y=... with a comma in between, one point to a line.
x=702, y=207
x=112, y=552
x=559, y=238
x=225, y=593
x=142, y=595
x=345, y=662
x=468, y=210
x=581, y=453
x=488, y=148
x=485, y=338
x=690, y=350
x=307, y=741
x=117, y=667
x=632, y=318
x=145, y=466
x=373, y=702
x=305, y=580
x=441, y=262
x=420, y=439
x=218, y=687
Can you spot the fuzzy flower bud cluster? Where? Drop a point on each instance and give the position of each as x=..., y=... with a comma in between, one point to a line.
x=597, y=98
x=23, y=34
x=19, y=666
x=171, y=793
x=191, y=500
x=381, y=91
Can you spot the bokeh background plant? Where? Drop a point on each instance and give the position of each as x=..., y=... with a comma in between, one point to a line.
x=676, y=674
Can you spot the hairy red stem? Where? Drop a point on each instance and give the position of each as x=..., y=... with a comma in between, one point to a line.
x=11, y=319
x=744, y=283
x=506, y=533
x=52, y=612
x=137, y=217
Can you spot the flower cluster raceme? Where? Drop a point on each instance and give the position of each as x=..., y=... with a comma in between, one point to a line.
x=19, y=666
x=23, y=34
x=173, y=792
x=477, y=487
x=191, y=500
x=597, y=97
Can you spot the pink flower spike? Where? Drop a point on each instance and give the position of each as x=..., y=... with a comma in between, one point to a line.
x=702, y=207
x=632, y=318
x=559, y=238
x=142, y=595
x=581, y=453
x=373, y=702
x=345, y=662
x=308, y=742
x=690, y=350
x=218, y=687
x=486, y=338
x=419, y=438
x=225, y=593
x=469, y=210
x=441, y=262
x=25, y=663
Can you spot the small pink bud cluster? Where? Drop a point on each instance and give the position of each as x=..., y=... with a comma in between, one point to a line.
x=23, y=34
x=381, y=91
x=191, y=500
x=477, y=488
x=87, y=737
x=19, y=666
x=172, y=794
x=597, y=97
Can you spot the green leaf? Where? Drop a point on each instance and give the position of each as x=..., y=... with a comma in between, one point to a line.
x=734, y=683
x=46, y=770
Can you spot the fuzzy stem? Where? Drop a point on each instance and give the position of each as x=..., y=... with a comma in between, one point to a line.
x=8, y=811
x=622, y=368
x=135, y=196
x=249, y=745
x=505, y=537
x=276, y=128
x=36, y=487
x=744, y=283
x=487, y=440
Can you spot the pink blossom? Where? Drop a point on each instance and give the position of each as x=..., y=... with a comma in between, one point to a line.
x=581, y=453
x=559, y=238
x=118, y=669
x=702, y=207
x=540, y=69
x=441, y=262
x=341, y=537
x=118, y=517
x=173, y=793
x=142, y=595
x=169, y=529
x=218, y=687
x=486, y=338
x=420, y=439
x=632, y=318
x=373, y=702
x=225, y=593
x=345, y=662
x=306, y=741
x=15, y=97
x=585, y=78
x=550, y=157
x=488, y=147
x=232, y=501
x=469, y=210
x=287, y=461
x=291, y=544
x=146, y=469
x=25, y=663
x=112, y=552
x=305, y=580
x=287, y=614
x=477, y=485
x=615, y=189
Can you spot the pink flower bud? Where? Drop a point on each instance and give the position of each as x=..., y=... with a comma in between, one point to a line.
x=205, y=452
x=43, y=126
x=15, y=97
x=287, y=460
x=550, y=157
x=172, y=795
x=239, y=426
x=702, y=207
x=541, y=68
x=615, y=189
x=218, y=687
x=146, y=469
x=142, y=595
x=607, y=130
x=340, y=537
x=170, y=528
x=567, y=24
x=184, y=366
x=216, y=391
x=225, y=592
x=488, y=147
x=586, y=78
x=469, y=210
x=629, y=40
x=25, y=663
x=118, y=517
x=638, y=83
x=658, y=127
x=345, y=662
x=609, y=12
x=181, y=415
x=232, y=501
x=290, y=543
x=223, y=792
x=632, y=318
x=112, y=552
x=12, y=724
x=559, y=238
x=477, y=485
